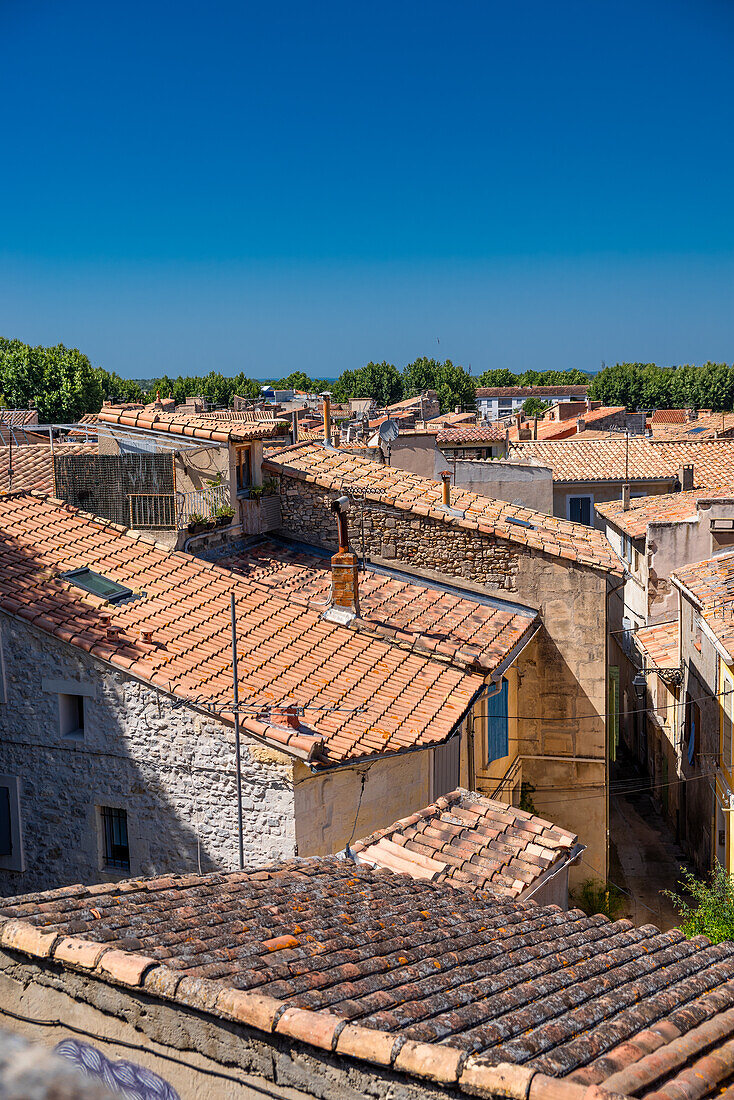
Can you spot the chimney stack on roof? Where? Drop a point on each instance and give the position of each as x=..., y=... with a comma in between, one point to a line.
x=625, y=498
x=327, y=420
x=446, y=488
x=285, y=714
x=580, y=424
x=685, y=476
x=344, y=572
x=535, y=427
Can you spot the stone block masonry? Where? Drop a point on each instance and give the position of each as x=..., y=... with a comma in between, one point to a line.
x=422, y=542
x=169, y=767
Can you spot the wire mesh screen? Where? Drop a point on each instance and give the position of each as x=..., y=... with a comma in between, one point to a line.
x=103, y=484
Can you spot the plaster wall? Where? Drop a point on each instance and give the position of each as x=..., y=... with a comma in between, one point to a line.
x=602, y=491
x=172, y=770
x=671, y=545
x=519, y=483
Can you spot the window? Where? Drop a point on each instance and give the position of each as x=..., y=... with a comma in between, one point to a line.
x=116, y=847
x=244, y=474
x=497, y=725
x=11, y=840
x=71, y=715
x=6, y=828
x=722, y=535
x=580, y=509
x=100, y=586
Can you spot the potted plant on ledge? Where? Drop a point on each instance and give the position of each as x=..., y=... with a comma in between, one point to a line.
x=224, y=515
x=196, y=523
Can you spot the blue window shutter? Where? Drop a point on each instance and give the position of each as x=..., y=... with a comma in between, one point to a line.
x=497, y=726
x=6, y=835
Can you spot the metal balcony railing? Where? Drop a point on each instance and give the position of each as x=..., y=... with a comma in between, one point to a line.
x=174, y=510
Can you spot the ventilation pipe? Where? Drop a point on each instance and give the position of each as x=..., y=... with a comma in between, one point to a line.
x=625, y=498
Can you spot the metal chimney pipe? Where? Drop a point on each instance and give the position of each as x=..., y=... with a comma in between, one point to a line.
x=294, y=427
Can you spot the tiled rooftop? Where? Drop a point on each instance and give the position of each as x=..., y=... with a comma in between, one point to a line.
x=342, y=471
x=425, y=616
x=486, y=433
x=711, y=583
x=669, y=416
x=659, y=644
x=33, y=464
x=705, y=426
x=198, y=426
x=664, y=508
x=387, y=698
x=18, y=417
x=465, y=839
x=648, y=460
x=442, y=983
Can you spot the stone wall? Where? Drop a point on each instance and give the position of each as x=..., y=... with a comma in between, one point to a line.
x=171, y=768
x=400, y=536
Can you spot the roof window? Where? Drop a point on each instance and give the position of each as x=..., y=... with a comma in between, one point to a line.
x=98, y=585
x=520, y=522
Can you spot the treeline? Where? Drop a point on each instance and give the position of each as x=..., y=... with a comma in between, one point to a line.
x=645, y=386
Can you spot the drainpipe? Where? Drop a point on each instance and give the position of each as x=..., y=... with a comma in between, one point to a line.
x=446, y=488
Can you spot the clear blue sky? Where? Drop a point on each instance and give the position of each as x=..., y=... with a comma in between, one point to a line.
x=276, y=186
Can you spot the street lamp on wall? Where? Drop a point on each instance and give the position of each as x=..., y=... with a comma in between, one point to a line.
x=639, y=683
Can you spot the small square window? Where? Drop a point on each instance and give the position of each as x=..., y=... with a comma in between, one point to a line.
x=71, y=715
x=116, y=848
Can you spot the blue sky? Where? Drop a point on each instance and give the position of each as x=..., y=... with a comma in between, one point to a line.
x=235, y=186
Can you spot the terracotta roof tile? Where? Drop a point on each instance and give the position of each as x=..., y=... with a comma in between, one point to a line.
x=464, y=835
x=659, y=643
x=664, y=508
x=198, y=426
x=668, y=416
x=361, y=694
x=711, y=583
x=405, y=972
x=606, y=459
x=336, y=469
x=484, y=433
x=705, y=426
x=33, y=464
x=459, y=625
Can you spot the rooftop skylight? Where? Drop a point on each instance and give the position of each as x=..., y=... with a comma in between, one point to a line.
x=98, y=585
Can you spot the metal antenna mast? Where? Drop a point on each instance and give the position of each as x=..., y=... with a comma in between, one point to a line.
x=238, y=762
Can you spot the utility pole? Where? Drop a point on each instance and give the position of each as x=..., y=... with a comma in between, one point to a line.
x=238, y=762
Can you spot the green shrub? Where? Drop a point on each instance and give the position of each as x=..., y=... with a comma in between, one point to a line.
x=710, y=912
x=594, y=896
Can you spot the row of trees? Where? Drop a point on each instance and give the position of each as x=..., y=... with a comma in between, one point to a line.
x=62, y=384
x=648, y=386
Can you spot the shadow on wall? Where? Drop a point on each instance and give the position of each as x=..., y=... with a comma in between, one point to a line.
x=77, y=737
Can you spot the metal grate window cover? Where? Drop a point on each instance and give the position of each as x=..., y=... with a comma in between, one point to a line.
x=116, y=848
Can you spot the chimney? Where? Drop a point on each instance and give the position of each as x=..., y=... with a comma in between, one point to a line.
x=294, y=427
x=625, y=498
x=446, y=488
x=685, y=477
x=518, y=419
x=535, y=427
x=589, y=405
x=327, y=420
x=344, y=577
x=580, y=424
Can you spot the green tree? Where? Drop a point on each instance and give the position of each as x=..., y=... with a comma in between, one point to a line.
x=499, y=377
x=380, y=381
x=59, y=381
x=454, y=385
x=533, y=406
x=709, y=908
x=118, y=389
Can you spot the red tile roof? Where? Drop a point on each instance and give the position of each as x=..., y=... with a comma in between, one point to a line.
x=17, y=418
x=659, y=644
x=196, y=426
x=485, y=433
x=33, y=464
x=648, y=460
x=342, y=471
x=480, y=995
x=362, y=695
x=705, y=426
x=663, y=508
x=426, y=616
x=711, y=583
x=668, y=416
x=464, y=839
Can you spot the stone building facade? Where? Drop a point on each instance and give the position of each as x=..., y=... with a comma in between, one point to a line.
x=558, y=688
